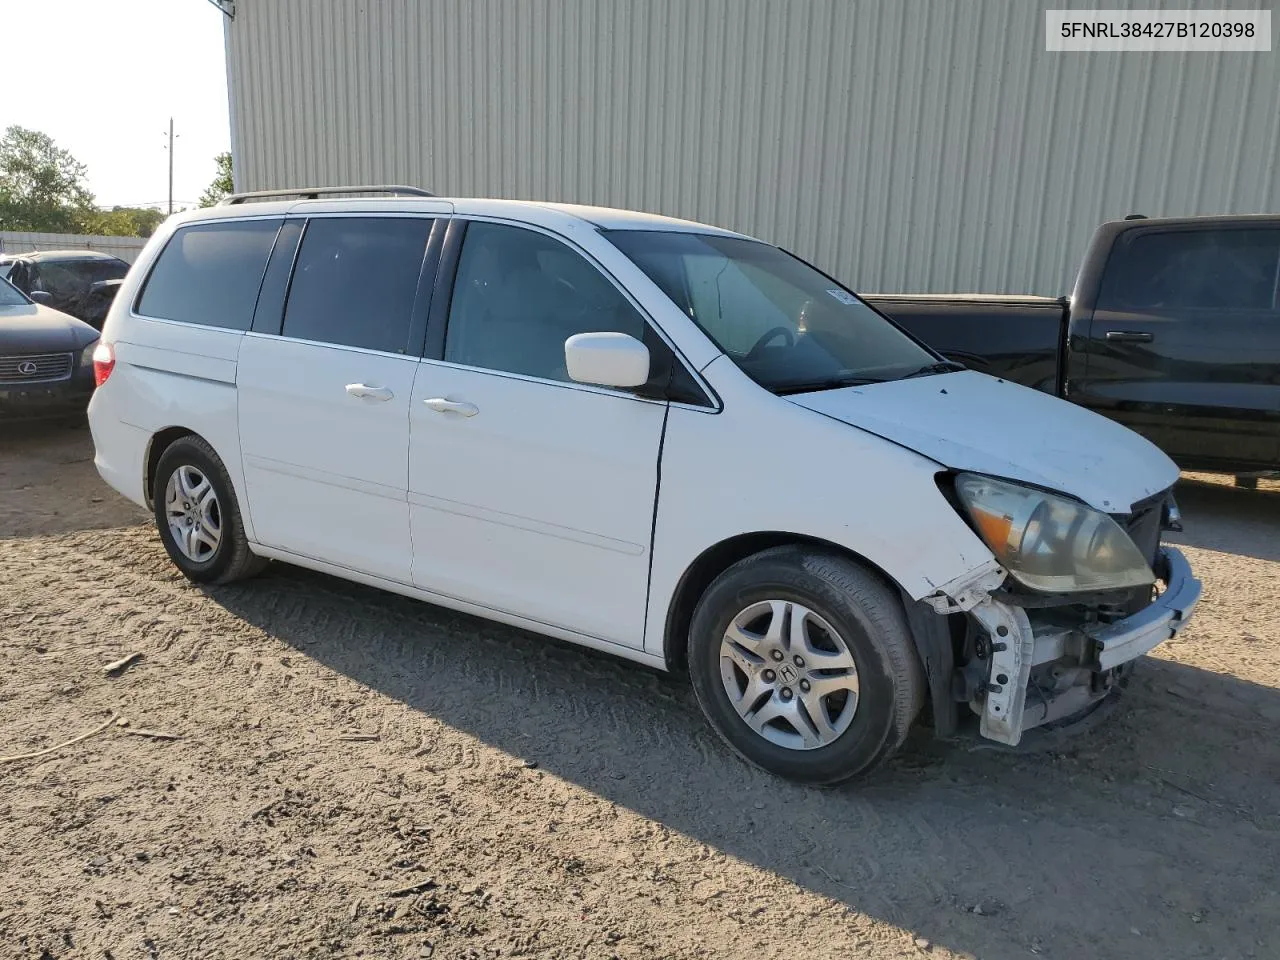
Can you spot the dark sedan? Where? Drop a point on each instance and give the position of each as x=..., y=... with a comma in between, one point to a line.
x=46, y=359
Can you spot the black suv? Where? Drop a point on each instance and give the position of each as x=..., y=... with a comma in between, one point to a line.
x=78, y=282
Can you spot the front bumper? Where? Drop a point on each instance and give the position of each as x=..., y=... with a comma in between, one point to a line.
x=1074, y=664
x=54, y=398
x=1133, y=636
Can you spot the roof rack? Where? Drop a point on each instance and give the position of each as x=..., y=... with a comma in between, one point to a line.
x=311, y=193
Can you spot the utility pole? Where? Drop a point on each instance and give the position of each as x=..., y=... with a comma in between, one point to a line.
x=171, y=166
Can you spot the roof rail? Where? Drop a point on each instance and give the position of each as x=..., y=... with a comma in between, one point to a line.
x=311, y=193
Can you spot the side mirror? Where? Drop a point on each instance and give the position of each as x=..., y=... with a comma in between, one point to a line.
x=607, y=359
x=41, y=296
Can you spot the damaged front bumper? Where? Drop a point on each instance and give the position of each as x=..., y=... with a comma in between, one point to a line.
x=1042, y=669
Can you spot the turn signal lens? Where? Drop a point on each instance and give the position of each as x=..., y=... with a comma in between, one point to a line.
x=104, y=361
x=995, y=528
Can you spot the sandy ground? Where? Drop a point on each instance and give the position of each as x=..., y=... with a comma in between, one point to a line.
x=356, y=774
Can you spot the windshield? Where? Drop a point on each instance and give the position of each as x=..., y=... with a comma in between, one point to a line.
x=10, y=296
x=787, y=326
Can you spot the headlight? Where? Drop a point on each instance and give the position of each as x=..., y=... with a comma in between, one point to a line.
x=1050, y=543
x=86, y=356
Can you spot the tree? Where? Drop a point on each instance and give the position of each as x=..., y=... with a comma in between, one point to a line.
x=135, y=221
x=42, y=186
x=222, y=183
x=42, y=189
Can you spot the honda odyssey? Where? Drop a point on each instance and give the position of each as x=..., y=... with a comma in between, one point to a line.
x=648, y=436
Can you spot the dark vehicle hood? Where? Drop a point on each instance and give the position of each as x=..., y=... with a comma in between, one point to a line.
x=33, y=328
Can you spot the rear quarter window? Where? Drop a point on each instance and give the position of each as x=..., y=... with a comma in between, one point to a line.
x=209, y=274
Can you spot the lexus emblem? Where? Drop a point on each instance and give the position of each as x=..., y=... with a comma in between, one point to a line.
x=27, y=367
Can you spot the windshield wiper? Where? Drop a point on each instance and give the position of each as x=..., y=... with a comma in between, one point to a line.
x=830, y=383
x=942, y=366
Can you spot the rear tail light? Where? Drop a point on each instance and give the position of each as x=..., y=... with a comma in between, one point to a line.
x=104, y=361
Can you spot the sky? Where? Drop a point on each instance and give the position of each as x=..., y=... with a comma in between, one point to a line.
x=102, y=77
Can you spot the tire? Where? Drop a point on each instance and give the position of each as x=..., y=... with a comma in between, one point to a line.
x=212, y=509
x=834, y=594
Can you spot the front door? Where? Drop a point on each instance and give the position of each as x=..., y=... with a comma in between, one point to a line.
x=324, y=405
x=1184, y=344
x=529, y=493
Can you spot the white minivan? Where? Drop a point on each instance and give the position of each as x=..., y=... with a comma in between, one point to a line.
x=648, y=436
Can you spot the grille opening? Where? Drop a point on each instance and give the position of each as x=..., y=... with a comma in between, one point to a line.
x=35, y=367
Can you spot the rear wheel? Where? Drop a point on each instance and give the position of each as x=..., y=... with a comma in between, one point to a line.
x=198, y=516
x=803, y=663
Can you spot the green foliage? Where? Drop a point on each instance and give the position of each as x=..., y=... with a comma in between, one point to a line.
x=42, y=189
x=128, y=221
x=42, y=186
x=222, y=183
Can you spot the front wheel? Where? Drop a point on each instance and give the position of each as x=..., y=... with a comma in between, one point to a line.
x=198, y=516
x=803, y=663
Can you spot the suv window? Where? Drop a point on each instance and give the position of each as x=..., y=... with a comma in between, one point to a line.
x=60, y=279
x=209, y=273
x=355, y=281
x=520, y=294
x=97, y=270
x=1216, y=269
x=69, y=279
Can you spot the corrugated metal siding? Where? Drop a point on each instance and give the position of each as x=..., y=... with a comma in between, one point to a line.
x=126, y=248
x=905, y=145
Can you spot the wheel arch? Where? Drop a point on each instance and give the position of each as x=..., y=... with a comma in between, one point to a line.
x=161, y=441
x=718, y=558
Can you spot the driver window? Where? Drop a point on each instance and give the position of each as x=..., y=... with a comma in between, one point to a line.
x=727, y=304
x=520, y=294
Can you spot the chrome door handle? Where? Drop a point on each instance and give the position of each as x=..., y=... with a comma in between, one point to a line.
x=1129, y=336
x=364, y=391
x=460, y=407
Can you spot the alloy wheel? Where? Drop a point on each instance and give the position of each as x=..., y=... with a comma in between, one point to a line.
x=789, y=674
x=194, y=516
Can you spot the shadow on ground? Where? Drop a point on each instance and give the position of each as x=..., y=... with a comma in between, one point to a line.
x=1156, y=835
x=1230, y=520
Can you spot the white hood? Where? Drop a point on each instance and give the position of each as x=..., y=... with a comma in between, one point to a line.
x=970, y=421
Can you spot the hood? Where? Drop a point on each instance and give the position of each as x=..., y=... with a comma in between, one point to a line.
x=970, y=421
x=34, y=328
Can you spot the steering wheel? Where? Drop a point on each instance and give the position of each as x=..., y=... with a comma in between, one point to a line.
x=767, y=336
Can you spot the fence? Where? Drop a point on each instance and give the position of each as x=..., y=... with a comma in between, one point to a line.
x=126, y=248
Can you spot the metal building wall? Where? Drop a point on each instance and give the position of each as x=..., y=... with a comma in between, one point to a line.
x=905, y=145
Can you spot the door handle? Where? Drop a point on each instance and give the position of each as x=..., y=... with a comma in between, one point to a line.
x=460, y=407
x=1129, y=336
x=364, y=391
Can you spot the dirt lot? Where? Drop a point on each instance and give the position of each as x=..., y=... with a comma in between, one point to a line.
x=356, y=774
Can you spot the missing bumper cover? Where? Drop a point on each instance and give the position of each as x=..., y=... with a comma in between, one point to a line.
x=1016, y=646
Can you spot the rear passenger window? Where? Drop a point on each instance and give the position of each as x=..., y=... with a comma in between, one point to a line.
x=355, y=281
x=1206, y=269
x=209, y=273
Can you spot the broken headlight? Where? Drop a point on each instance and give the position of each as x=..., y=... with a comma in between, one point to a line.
x=1050, y=543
